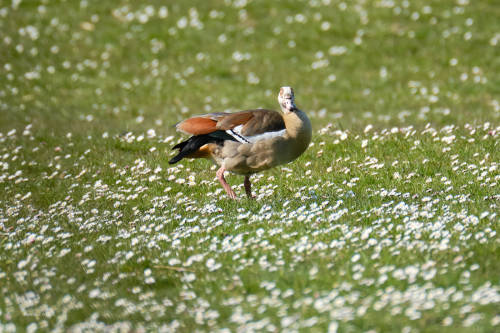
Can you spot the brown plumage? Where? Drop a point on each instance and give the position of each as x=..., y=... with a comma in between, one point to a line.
x=254, y=122
x=248, y=141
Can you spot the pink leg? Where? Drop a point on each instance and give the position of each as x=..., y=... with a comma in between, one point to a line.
x=225, y=185
x=248, y=187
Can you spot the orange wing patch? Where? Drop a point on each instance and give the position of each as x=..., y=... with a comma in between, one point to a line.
x=197, y=126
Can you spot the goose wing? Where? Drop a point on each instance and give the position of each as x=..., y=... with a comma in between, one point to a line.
x=245, y=126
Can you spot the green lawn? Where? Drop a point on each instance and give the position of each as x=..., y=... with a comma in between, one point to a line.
x=388, y=223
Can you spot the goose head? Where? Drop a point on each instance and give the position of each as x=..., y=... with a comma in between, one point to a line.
x=286, y=99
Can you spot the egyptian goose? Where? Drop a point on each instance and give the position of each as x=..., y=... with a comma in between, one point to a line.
x=247, y=142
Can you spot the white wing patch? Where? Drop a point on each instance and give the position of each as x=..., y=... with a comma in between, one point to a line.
x=236, y=133
x=266, y=136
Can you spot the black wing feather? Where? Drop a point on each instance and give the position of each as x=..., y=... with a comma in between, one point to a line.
x=195, y=142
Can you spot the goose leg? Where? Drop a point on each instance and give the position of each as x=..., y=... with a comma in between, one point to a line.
x=248, y=187
x=225, y=185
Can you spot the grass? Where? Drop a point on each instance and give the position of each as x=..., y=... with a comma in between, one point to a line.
x=388, y=222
